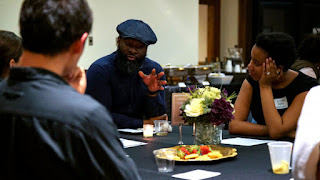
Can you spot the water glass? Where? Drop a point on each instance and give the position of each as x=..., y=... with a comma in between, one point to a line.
x=165, y=159
x=161, y=127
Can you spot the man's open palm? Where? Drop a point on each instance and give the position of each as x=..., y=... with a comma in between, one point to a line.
x=153, y=80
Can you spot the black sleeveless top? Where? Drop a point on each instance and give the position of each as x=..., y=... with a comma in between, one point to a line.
x=300, y=84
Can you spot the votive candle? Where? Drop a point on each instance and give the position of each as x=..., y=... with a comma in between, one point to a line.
x=147, y=130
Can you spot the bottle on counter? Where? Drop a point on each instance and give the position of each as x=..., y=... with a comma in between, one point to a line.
x=229, y=67
x=237, y=68
x=243, y=68
x=216, y=65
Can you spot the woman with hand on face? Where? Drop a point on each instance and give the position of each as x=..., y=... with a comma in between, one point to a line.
x=272, y=92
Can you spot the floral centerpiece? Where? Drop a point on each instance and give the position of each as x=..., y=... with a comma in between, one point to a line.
x=209, y=108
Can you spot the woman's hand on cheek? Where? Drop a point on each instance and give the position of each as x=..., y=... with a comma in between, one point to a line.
x=270, y=72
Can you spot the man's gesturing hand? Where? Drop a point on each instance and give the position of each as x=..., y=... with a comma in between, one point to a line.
x=153, y=80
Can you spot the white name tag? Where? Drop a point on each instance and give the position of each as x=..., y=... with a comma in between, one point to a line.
x=281, y=103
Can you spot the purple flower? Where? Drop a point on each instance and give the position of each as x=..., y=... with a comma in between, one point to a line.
x=221, y=111
x=192, y=88
x=225, y=93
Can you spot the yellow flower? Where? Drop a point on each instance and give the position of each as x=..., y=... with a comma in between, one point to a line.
x=212, y=93
x=195, y=108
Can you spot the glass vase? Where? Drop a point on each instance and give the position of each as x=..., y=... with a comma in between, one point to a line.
x=208, y=134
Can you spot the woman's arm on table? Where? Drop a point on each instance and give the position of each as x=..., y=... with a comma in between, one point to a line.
x=242, y=108
x=278, y=126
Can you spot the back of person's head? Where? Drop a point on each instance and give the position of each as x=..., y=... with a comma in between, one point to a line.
x=50, y=27
x=10, y=48
x=279, y=46
x=309, y=48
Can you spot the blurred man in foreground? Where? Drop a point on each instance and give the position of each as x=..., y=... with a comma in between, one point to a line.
x=306, y=149
x=49, y=130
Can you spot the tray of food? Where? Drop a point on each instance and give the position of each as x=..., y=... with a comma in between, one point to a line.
x=187, y=153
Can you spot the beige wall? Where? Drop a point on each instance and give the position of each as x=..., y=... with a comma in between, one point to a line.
x=229, y=25
x=9, y=15
x=179, y=25
x=175, y=23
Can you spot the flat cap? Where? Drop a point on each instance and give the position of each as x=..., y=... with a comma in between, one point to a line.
x=137, y=29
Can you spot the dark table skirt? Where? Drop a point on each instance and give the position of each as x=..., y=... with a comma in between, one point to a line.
x=251, y=162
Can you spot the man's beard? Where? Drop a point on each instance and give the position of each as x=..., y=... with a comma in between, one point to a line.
x=126, y=66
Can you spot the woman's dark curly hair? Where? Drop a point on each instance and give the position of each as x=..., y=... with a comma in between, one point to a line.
x=279, y=46
x=309, y=48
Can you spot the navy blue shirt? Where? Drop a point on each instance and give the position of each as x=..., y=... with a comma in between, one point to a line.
x=126, y=96
x=50, y=131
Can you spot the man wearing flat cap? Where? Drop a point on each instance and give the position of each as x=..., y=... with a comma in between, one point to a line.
x=119, y=80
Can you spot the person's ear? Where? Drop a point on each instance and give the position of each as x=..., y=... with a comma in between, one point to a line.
x=118, y=41
x=83, y=40
x=84, y=37
x=12, y=63
x=78, y=46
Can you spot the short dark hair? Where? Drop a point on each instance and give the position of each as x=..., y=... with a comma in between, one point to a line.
x=10, y=48
x=51, y=26
x=309, y=48
x=279, y=46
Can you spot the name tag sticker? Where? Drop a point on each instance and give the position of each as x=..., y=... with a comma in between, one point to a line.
x=281, y=103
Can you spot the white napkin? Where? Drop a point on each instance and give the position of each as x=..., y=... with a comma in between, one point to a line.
x=131, y=143
x=131, y=130
x=197, y=174
x=244, y=141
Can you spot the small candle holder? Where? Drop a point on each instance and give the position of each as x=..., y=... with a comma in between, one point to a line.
x=147, y=130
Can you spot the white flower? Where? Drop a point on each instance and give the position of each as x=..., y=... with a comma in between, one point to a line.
x=195, y=108
x=233, y=108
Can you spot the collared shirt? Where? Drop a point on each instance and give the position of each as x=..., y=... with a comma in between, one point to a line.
x=49, y=131
x=126, y=96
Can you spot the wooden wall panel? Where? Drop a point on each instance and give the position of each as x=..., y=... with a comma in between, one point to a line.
x=213, y=29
